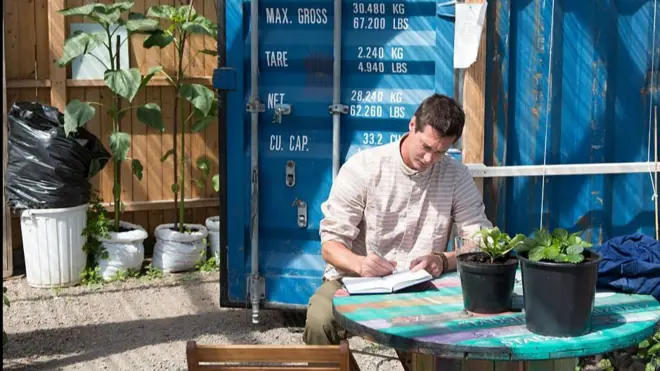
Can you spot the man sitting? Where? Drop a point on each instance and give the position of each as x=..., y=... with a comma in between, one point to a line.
x=398, y=201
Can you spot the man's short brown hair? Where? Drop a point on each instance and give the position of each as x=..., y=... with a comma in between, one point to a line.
x=443, y=114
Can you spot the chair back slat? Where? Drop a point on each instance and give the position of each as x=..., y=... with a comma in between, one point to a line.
x=202, y=357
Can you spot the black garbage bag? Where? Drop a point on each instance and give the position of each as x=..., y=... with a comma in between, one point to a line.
x=46, y=169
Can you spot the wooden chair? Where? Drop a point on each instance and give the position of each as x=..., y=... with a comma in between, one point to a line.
x=203, y=357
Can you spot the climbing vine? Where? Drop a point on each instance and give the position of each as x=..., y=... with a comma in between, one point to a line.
x=97, y=226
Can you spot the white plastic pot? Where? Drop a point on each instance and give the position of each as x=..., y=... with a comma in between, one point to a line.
x=52, y=243
x=213, y=225
x=125, y=250
x=177, y=252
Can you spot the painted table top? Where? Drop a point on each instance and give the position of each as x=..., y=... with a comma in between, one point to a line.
x=432, y=321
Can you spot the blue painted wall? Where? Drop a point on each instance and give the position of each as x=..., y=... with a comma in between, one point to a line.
x=394, y=54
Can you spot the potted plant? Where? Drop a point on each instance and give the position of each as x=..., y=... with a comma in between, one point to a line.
x=559, y=277
x=122, y=238
x=487, y=276
x=179, y=244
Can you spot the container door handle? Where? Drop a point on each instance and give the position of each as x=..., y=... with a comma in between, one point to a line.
x=302, y=212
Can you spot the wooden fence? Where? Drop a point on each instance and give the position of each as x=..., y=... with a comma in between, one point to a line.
x=34, y=35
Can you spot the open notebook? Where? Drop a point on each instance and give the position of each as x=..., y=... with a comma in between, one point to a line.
x=385, y=285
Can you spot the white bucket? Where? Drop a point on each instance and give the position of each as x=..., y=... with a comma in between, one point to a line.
x=53, y=245
x=177, y=252
x=213, y=225
x=125, y=250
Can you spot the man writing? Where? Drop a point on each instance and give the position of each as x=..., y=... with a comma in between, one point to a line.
x=394, y=206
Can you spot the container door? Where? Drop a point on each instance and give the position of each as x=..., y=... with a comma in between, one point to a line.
x=394, y=54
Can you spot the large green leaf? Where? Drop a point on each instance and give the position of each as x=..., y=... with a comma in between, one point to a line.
x=202, y=122
x=200, y=96
x=201, y=26
x=124, y=82
x=79, y=43
x=122, y=5
x=119, y=145
x=151, y=115
x=536, y=253
x=185, y=11
x=162, y=11
x=151, y=73
x=108, y=16
x=137, y=24
x=76, y=114
x=158, y=38
x=574, y=250
x=204, y=165
x=216, y=182
x=83, y=10
x=137, y=168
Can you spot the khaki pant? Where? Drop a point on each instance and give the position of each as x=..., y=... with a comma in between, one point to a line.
x=321, y=328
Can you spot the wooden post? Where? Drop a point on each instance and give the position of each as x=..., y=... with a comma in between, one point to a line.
x=56, y=32
x=474, y=100
x=7, y=256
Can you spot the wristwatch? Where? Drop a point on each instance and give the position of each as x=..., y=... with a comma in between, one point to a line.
x=445, y=262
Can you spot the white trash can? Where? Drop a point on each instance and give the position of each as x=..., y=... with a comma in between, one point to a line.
x=52, y=245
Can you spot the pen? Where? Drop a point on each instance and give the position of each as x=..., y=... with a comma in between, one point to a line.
x=396, y=269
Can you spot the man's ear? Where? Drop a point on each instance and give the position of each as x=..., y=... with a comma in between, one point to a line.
x=411, y=124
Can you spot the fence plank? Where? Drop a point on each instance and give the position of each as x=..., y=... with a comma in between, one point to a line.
x=56, y=32
x=41, y=44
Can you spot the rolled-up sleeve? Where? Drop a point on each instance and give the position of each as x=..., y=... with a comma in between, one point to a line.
x=344, y=209
x=469, y=212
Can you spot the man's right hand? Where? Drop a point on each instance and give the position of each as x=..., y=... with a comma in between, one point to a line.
x=373, y=265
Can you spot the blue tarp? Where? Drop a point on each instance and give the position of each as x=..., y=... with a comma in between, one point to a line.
x=631, y=263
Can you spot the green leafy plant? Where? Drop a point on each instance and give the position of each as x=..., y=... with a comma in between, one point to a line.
x=152, y=272
x=184, y=21
x=558, y=246
x=5, y=302
x=97, y=226
x=648, y=352
x=497, y=244
x=207, y=265
x=122, y=81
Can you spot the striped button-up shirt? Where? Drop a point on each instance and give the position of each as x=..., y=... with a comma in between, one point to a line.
x=378, y=203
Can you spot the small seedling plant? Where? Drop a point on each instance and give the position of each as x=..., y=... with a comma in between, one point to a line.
x=558, y=246
x=497, y=244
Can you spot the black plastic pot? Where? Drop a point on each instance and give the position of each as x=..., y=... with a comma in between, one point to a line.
x=559, y=297
x=487, y=288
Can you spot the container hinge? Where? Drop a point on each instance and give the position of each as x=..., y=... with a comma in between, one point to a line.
x=338, y=108
x=255, y=106
x=302, y=212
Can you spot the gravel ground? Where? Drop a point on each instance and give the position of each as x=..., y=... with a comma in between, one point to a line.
x=139, y=325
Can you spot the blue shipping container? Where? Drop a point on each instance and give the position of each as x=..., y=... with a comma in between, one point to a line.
x=393, y=55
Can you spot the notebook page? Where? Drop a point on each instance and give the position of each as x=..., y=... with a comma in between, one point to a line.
x=406, y=278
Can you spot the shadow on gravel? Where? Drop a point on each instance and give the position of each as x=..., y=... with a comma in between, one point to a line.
x=73, y=345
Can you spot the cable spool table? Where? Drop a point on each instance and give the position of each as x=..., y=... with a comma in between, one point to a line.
x=429, y=321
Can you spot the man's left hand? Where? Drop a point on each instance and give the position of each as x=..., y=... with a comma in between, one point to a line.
x=431, y=263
